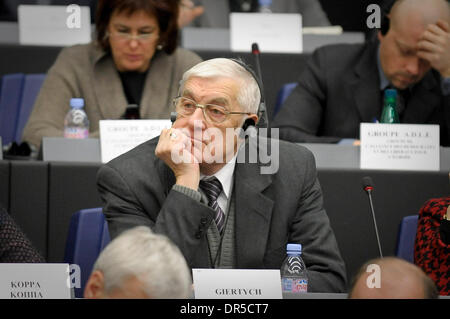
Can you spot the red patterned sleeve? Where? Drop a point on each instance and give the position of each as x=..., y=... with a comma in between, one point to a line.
x=430, y=252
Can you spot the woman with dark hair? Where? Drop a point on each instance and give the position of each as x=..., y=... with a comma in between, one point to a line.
x=133, y=61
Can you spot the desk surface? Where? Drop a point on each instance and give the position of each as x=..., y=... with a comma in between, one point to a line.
x=43, y=195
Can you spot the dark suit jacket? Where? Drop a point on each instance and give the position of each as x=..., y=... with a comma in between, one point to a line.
x=341, y=88
x=270, y=211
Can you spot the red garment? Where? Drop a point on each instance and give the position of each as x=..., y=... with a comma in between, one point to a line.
x=430, y=252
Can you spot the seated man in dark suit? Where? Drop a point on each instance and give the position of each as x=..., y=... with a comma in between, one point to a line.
x=343, y=84
x=195, y=185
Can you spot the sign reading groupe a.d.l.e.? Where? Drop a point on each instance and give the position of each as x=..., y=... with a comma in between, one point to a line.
x=400, y=146
x=36, y=281
x=120, y=136
x=237, y=283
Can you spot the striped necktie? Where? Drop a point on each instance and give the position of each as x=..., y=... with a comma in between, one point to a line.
x=212, y=189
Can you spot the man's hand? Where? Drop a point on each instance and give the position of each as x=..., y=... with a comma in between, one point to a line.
x=434, y=46
x=175, y=149
x=188, y=13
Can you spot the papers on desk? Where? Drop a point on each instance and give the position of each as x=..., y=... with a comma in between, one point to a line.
x=54, y=25
x=274, y=32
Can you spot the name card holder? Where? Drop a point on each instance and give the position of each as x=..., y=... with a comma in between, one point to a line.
x=237, y=284
x=400, y=146
x=71, y=150
x=274, y=32
x=120, y=136
x=35, y=281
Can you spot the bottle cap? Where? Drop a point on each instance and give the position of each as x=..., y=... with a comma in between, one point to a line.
x=294, y=248
x=77, y=103
x=390, y=93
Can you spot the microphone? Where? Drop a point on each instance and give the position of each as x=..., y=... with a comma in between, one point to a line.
x=263, y=120
x=368, y=188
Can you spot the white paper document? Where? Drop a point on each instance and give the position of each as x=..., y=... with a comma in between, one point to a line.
x=400, y=146
x=120, y=136
x=274, y=32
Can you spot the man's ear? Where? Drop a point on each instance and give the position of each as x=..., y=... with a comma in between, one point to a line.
x=95, y=286
x=380, y=36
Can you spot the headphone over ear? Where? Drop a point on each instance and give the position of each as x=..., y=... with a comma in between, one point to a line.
x=262, y=104
x=385, y=21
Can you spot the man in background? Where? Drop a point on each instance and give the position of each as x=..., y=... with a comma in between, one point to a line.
x=343, y=85
x=392, y=278
x=140, y=264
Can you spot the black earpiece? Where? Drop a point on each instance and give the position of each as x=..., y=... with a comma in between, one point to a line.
x=247, y=123
x=173, y=117
x=262, y=105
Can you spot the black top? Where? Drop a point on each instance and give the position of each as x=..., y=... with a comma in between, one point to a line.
x=14, y=245
x=133, y=85
x=445, y=231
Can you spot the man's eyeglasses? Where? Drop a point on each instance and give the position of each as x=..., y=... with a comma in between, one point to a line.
x=212, y=113
x=126, y=36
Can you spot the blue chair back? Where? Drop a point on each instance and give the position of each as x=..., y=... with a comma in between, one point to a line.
x=88, y=235
x=406, y=238
x=283, y=93
x=10, y=95
x=31, y=86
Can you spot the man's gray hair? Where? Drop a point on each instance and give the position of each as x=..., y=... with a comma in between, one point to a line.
x=153, y=259
x=248, y=95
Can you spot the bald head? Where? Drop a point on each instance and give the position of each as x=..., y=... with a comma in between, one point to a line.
x=392, y=278
x=418, y=12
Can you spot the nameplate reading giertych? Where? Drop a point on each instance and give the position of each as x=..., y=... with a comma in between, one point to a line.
x=400, y=146
x=35, y=281
x=120, y=136
x=237, y=284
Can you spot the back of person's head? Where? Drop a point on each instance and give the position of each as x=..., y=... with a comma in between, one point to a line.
x=140, y=264
x=392, y=278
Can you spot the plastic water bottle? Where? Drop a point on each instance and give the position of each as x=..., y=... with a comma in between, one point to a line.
x=389, y=114
x=265, y=6
x=294, y=278
x=76, y=123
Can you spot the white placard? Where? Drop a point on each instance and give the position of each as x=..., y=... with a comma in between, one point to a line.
x=35, y=281
x=274, y=32
x=400, y=146
x=54, y=25
x=120, y=136
x=237, y=284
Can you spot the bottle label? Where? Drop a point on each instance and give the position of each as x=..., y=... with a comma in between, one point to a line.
x=76, y=132
x=295, y=285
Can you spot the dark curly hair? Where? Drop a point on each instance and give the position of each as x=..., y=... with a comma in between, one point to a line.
x=166, y=12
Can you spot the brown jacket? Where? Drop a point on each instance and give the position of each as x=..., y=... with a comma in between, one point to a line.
x=88, y=72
